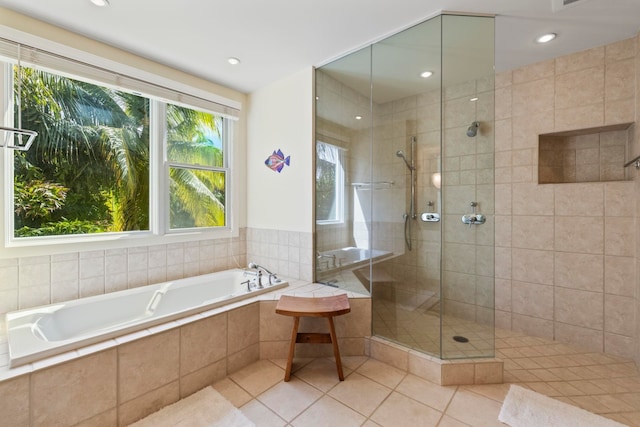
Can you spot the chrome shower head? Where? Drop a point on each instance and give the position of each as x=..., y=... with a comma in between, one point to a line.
x=400, y=154
x=473, y=129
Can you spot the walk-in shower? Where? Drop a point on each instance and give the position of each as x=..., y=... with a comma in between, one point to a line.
x=417, y=199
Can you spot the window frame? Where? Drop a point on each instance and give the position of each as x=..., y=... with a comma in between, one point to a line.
x=158, y=232
x=340, y=174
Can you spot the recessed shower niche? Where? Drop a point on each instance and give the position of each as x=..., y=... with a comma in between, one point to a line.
x=585, y=155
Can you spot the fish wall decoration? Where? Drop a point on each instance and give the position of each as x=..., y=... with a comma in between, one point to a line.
x=276, y=162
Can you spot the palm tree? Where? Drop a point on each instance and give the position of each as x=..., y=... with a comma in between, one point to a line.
x=197, y=194
x=92, y=140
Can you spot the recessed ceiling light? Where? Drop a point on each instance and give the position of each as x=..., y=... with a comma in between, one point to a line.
x=358, y=117
x=426, y=74
x=233, y=60
x=101, y=3
x=474, y=99
x=546, y=38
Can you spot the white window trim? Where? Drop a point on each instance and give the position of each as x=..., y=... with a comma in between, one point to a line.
x=340, y=190
x=158, y=233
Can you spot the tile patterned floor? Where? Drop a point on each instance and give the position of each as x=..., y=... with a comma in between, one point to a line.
x=376, y=394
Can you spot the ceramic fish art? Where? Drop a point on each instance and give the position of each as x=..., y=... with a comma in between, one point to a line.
x=276, y=161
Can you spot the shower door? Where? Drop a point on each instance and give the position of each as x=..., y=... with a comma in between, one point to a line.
x=408, y=124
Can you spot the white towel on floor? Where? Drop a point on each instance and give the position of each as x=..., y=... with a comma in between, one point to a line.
x=526, y=408
x=206, y=408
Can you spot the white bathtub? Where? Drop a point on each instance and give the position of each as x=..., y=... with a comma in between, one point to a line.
x=48, y=330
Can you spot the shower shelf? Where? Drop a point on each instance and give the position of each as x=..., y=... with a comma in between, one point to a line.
x=377, y=185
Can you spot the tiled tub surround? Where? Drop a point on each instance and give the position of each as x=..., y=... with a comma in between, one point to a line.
x=49, y=330
x=566, y=253
x=124, y=379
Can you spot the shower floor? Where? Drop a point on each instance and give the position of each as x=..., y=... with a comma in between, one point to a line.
x=420, y=329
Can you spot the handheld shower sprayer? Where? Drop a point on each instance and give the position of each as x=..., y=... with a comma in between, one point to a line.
x=400, y=154
x=473, y=129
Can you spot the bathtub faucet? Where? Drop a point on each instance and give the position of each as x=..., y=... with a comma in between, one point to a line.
x=272, y=277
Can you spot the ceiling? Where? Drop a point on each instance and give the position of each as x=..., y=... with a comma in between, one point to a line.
x=277, y=38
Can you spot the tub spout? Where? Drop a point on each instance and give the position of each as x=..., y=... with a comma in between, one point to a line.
x=273, y=279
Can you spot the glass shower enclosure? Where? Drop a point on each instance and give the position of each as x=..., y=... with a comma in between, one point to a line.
x=405, y=183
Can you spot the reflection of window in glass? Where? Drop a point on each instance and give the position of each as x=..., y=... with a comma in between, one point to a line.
x=89, y=171
x=197, y=173
x=329, y=183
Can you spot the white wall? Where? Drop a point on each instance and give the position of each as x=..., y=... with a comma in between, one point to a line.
x=280, y=116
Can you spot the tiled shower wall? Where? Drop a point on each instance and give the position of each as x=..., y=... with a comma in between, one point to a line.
x=32, y=281
x=565, y=253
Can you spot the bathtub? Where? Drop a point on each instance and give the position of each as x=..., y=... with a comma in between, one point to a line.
x=48, y=330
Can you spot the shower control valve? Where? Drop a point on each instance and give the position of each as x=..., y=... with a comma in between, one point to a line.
x=430, y=217
x=473, y=219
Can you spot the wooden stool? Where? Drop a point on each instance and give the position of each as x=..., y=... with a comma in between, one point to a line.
x=313, y=307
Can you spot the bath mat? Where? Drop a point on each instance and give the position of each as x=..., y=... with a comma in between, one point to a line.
x=206, y=408
x=526, y=408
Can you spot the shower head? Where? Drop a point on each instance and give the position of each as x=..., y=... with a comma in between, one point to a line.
x=473, y=129
x=400, y=154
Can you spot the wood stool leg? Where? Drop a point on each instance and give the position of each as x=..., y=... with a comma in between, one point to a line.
x=292, y=348
x=336, y=351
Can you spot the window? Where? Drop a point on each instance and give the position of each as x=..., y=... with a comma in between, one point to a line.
x=197, y=173
x=101, y=137
x=329, y=183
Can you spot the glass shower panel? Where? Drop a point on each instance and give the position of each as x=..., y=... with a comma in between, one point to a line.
x=467, y=304
x=343, y=173
x=406, y=94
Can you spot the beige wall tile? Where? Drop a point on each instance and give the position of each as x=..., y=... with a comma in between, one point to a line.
x=201, y=378
x=619, y=111
x=532, y=300
x=618, y=198
x=503, y=294
x=503, y=106
x=488, y=373
x=532, y=97
x=108, y=418
x=532, y=232
x=580, y=88
x=532, y=266
x=579, y=271
x=619, y=345
x=458, y=373
x=389, y=353
x=619, y=236
x=619, y=315
x=619, y=275
x=579, y=234
x=503, y=135
x=579, y=199
x=532, y=325
x=243, y=358
x=203, y=342
x=148, y=364
x=581, y=60
x=579, y=117
x=243, y=327
x=535, y=71
x=620, y=50
x=620, y=80
x=503, y=263
x=72, y=392
x=589, y=339
x=532, y=199
x=14, y=405
x=503, y=79
x=503, y=230
x=580, y=308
